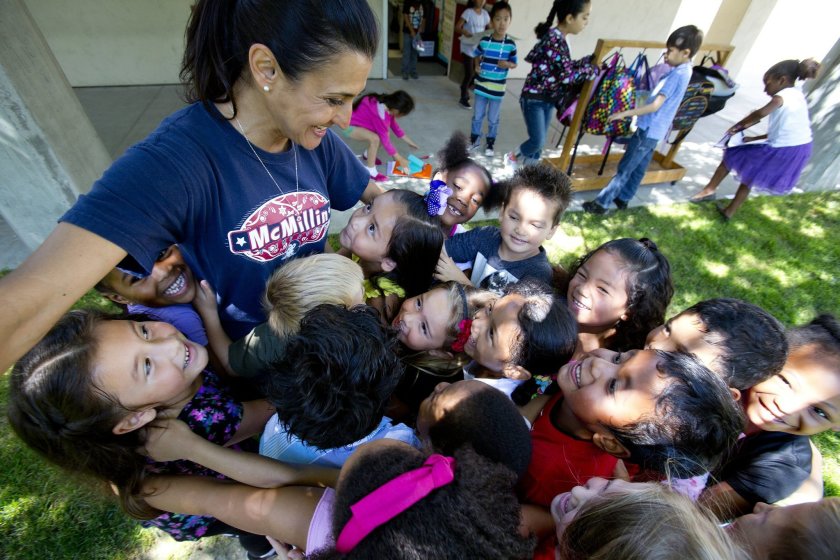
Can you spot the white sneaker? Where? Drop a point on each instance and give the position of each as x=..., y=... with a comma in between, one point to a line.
x=489, y=152
x=511, y=161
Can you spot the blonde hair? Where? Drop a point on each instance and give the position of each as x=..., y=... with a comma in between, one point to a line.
x=816, y=540
x=651, y=524
x=298, y=286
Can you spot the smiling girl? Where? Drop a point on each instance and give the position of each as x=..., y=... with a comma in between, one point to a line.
x=397, y=244
x=618, y=293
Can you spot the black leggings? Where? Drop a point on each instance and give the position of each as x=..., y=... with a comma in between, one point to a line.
x=469, y=74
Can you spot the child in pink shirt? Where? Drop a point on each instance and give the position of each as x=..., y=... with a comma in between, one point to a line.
x=374, y=117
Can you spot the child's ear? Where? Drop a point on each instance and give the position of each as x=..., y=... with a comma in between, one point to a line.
x=117, y=298
x=440, y=176
x=388, y=264
x=134, y=421
x=518, y=373
x=607, y=442
x=437, y=353
x=736, y=394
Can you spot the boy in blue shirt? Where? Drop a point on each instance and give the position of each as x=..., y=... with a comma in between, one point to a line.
x=494, y=56
x=654, y=121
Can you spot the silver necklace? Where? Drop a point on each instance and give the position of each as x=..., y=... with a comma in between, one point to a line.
x=256, y=155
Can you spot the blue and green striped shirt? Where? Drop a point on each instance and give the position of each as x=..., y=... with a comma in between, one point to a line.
x=491, y=79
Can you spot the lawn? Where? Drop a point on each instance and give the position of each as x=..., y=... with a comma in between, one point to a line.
x=778, y=253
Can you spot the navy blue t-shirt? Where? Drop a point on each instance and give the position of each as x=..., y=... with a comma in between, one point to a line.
x=195, y=181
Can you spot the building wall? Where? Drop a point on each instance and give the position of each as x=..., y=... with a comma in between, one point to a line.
x=126, y=42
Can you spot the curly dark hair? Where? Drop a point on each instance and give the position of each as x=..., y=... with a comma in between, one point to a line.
x=489, y=422
x=823, y=332
x=546, y=180
x=476, y=516
x=334, y=381
x=696, y=421
x=752, y=341
x=548, y=331
x=455, y=156
x=649, y=288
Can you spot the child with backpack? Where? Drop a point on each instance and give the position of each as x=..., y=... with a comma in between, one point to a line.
x=654, y=122
x=773, y=166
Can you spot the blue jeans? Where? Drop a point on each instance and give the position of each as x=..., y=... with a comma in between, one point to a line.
x=631, y=170
x=537, y=115
x=490, y=106
x=409, y=56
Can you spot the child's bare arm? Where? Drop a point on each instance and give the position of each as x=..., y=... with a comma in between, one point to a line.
x=531, y=410
x=172, y=440
x=205, y=304
x=409, y=141
x=651, y=107
x=756, y=116
x=283, y=513
x=254, y=417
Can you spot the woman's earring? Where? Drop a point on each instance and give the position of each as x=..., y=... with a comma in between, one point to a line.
x=266, y=88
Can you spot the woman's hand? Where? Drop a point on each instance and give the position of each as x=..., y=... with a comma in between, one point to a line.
x=169, y=440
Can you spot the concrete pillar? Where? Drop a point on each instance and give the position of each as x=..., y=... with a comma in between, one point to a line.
x=49, y=151
x=823, y=93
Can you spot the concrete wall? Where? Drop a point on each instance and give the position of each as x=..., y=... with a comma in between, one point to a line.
x=118, y=42
x=127, y=42
x=47, y=156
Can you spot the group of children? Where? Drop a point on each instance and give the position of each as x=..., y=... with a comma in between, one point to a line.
x=516, y=395
x=437, y=392
x=773, y=166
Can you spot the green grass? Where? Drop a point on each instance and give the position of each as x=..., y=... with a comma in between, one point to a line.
x=778, y=253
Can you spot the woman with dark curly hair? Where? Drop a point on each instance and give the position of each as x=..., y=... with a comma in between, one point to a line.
x=618, y=293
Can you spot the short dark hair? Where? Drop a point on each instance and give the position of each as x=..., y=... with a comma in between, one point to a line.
x=795, y=69
x=545, y=180
x=489, y=422
x=498, y=7
x=399, y=100
x=823, y=332
x=686, y=37
x=548, y=331
x=303, y=35
x=697, y=421
x=416, y=242
x=332, y=384
x=649, y=288
x=752, y=342
x=476, y=516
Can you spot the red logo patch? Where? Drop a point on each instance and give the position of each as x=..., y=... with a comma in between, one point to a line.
x=281, y=226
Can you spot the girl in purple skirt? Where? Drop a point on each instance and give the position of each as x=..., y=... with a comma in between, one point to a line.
x=772, y=166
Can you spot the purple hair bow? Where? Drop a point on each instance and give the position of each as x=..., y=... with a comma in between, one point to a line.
x=436, y=198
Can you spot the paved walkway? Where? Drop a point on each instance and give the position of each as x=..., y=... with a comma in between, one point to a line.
x=125, y=115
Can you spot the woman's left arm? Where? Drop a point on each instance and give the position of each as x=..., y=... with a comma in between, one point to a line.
x=372, y=190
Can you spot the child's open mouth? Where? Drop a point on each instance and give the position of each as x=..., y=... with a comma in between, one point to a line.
x=177, y=286
x=574, y=372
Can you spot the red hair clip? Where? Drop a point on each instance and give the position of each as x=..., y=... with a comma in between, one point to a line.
x=463, y=335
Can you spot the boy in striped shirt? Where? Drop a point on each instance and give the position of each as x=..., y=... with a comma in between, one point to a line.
x=494, y=56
